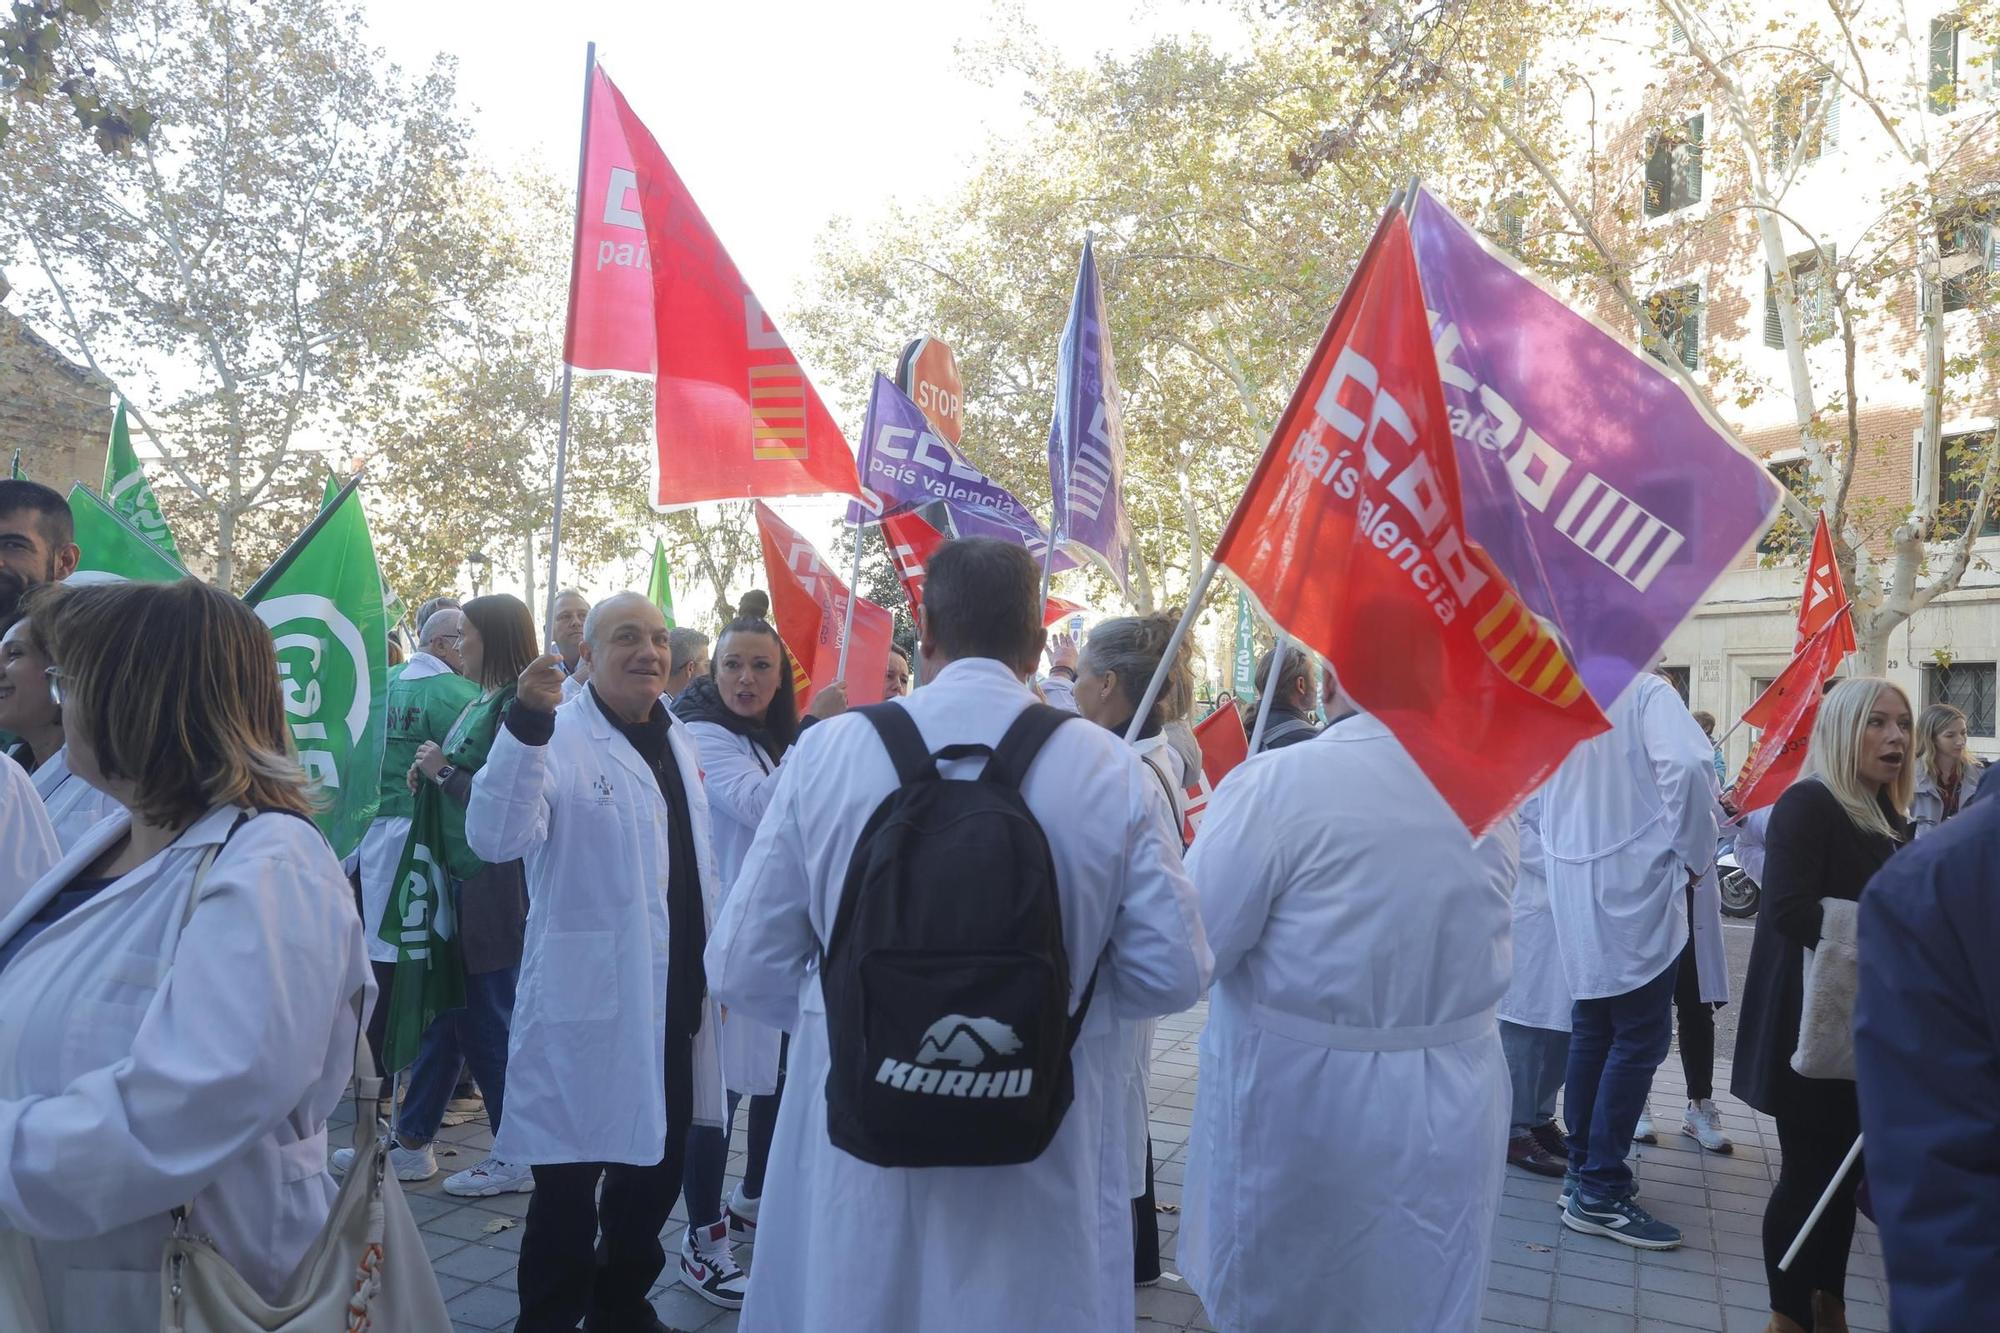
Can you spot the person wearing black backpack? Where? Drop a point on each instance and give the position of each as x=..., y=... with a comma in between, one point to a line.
x=952, y=902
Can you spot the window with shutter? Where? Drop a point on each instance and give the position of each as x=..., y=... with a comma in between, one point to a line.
x=1944, y=62
x=1958, y=485
x=1675, y=315
x=1812, y=289
x=1805, y=107
x=1967, y=686
x=1784, y=538
x=1673, y=167
x=1967, y=242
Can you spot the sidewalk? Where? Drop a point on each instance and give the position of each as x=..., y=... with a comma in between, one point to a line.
x=1543, y=1277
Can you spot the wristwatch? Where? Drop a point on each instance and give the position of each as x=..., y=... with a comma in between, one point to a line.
x=444, y=774
x=1069, y=671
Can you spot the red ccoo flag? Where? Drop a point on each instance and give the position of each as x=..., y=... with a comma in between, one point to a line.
x=809, y=606
x=1825, y=599
x=1224, y=745
x=1351, y=536
x=1785, y=711
x=653, y=291
x=911, y=540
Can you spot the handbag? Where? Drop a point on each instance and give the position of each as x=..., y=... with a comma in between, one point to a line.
x=367, y=1272
x=1832, y=979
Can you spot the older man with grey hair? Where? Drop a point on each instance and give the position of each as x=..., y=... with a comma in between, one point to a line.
x=612, y=1055
x=690, y=649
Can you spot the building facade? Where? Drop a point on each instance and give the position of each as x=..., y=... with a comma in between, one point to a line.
x=54, y=414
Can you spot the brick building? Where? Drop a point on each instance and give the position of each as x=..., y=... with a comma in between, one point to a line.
x=1676, y=172
x=56, y=413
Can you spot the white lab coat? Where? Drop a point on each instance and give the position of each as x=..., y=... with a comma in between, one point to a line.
x=1750, y=843
x=740, y=778
x=1046, y=1245
x=1625, y=820
x=1350, y=1124
x=1159, y=754
x=144, y=1066
x=1538, y=996
x=28, y=845
x=587, y=1046
x=75, y=807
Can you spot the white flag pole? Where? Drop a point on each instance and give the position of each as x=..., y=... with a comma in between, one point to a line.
x=568, y=375
x=1825, y=1198
x=853, y=592
x=1273, y=679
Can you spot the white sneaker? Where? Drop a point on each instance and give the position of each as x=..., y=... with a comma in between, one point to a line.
x=490, y=1177
x=1703, y=1123
x=460, y=1110
x=742, y=1215
x=1644, y=1133
x=708, y=1265
x=411, y=1164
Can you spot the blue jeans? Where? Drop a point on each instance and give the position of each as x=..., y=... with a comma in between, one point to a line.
x=474, y=1036
x=1537, y=1058
x=1615, y=1044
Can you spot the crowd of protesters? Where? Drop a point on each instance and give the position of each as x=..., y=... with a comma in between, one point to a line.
x=687, y=907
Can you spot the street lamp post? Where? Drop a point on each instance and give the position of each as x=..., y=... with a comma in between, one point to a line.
x=477, y=561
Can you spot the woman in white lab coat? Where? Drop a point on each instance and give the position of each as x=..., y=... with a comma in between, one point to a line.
x=27, y=840
x=28, y=711
x=743, y=716
x=181, y=995
x=1351, y=1119
x=1117, y=663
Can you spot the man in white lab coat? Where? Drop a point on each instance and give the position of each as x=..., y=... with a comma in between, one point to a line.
x=1628, y=824
x=1350, y=1123
x=612, y=1054
x=1047, y=1245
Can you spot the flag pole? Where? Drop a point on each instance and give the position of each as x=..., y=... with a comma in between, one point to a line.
x=1273, y=680
x=1819, y=1209
x=299, y=543
x=853, y=593
x=568, y=375
x=1172, y=653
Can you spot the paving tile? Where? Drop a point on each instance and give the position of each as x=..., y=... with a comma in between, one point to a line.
x=478, y=1263
x=1617, y=1269
x=1177, y=1308
x=1584, y=1291
x=1743, y=1319
x=1517, y=1281
x=438, y=1246
x=483, y=1307
x=1508, y=1307
x=1676, y=1309
x=1676, y=1282
x=1580, y=1319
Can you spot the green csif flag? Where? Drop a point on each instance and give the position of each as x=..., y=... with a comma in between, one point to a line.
x=421, y=923
x=322, y=600
x=112, y=548
x=659, y=588
x=127, y=490
x=18, y=475
x=393, y=609
x=1245, y=681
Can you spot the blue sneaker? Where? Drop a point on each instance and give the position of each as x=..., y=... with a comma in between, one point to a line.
x=1621, y=1220
x=1569, y=1188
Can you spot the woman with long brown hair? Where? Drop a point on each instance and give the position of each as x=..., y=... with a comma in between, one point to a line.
x=180, y=995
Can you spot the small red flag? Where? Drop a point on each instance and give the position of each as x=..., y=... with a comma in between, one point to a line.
x=1224, y=745
x=911, y=540
x=1351, y=535
x=1786, y=711
x=1824, y=598
x=809, y=606
x=735, y=415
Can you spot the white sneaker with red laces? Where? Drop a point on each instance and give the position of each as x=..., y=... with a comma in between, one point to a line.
x=708, y=1265
x=492, y=1176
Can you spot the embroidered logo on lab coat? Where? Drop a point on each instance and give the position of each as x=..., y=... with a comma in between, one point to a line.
x=603, y=789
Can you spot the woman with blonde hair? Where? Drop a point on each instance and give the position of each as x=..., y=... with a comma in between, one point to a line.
x=1946, y=776
x=1117, y=663
x=1829, y=833
x=180, y=995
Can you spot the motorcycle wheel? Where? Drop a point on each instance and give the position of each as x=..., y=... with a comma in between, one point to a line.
x=1739, y=894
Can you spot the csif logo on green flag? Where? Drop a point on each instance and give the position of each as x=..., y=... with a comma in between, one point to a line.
x=128, y=492
x=322, y=601
x=419, y=921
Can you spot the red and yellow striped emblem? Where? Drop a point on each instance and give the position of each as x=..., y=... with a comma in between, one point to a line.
x=777, y=412
x=1522, y=647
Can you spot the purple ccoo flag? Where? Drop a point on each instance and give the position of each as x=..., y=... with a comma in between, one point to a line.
x=904, y=464
x=1610, y=498
x=1087, y=437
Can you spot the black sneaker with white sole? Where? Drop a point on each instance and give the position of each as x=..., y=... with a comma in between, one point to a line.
x=1621, y=1220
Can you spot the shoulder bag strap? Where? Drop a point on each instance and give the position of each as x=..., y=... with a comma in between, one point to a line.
x=902, y=739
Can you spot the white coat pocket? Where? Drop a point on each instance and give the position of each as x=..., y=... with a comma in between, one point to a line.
x=578, y=975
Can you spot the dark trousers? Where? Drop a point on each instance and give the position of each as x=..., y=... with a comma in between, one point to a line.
x=1146, y=1228
x=474, y=1037
x=761, y=1125
x=592, y=1257
x=378, y=1020
x=1697, y=1028
x=1814, y=1138
x=1615, y=1044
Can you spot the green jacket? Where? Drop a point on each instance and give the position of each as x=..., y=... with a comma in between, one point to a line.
x=466, y=745
x=418, y=710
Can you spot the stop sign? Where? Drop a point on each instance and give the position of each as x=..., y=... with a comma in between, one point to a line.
x=928, y=372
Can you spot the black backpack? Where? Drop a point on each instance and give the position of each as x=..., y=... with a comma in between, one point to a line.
x=945, y=976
